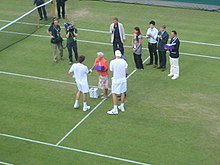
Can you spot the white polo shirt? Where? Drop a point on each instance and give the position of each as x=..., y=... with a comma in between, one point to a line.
x=80, y=72
x=118, y=67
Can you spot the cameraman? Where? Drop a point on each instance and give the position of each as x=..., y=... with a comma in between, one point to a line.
x=56, y=39
x=71, y=34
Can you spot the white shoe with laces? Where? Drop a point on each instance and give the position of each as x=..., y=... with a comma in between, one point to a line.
x=175, y=77
x=112, y=112
x=122, y=108
x=86, y=108
x=170, y=75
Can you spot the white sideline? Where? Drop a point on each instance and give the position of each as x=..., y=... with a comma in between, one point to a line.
x=106, y=32
x=109, y=44
x=100, y=103
x=39, y=78
x=5, y=163
x=72, y=149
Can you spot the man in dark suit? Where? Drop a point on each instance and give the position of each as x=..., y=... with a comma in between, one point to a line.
x=40, y=9
x=61, y=4
x=174, y=56
x=162, y=39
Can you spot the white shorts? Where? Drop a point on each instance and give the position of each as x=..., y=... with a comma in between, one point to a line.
x=83, y=87
x=119, y=88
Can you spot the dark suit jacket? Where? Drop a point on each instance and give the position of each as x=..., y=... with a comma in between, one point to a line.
x=162, y=42
x=174, y=53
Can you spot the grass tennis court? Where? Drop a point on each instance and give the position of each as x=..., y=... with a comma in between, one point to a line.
x=166, y=122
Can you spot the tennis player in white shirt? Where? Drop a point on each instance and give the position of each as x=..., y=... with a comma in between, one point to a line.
x=118, y=67
x=79, y=71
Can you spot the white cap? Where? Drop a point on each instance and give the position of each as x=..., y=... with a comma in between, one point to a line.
x=118, y=53
x=100, y=54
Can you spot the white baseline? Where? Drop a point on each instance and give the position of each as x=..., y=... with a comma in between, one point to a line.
x=72, y=149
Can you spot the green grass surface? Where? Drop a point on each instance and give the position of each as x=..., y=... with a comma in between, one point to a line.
x=166, y=122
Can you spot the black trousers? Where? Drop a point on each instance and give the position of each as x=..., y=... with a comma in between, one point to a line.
x=40, y=9
x=118, y=45
x=138, y=61
x=153, y=52
x=72, y=46
x=162, y=59
x=61, y=5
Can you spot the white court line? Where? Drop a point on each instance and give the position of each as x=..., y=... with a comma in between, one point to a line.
x=73, y=149
x=109, y=44
x=39, y=78
x=106, y=32
x=5, y=163
x=100, y=103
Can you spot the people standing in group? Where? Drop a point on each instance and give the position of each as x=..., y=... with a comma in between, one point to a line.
x=61, y=5
x=55, y=33
x=79, y=71
x=41, y=10
x=137, y=48
x=151, y=35
x=71, y=35
x=118, y=67
x=117, y=35
x=162, y=39
x=101, y=67
x=174, y=56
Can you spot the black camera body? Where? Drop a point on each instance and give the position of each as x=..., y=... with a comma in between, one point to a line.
x=69, y=27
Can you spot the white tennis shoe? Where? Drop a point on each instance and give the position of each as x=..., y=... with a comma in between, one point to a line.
x=122, y=108
x=112, y=112
x=86, y=108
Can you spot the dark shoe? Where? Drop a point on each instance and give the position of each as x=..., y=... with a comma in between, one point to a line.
x=159, y=67
x=163, y=69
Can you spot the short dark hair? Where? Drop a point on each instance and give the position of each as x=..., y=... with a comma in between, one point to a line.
x=174, y=31
x=81, y=58
x=115, y=18
x=152, y=22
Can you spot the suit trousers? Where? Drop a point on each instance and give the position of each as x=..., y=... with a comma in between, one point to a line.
x=162, y=58
x=174, y=66
x=62, y=5
x=118, y=45
x=153, y=52
x=40, y=9
x=138, y=61
x=72, y=46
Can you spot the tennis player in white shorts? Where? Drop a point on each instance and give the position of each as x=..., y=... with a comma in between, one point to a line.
x=79, y=72
x=118, y=67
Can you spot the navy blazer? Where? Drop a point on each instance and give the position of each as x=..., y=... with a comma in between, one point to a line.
x=174, y=53
x=162, y=42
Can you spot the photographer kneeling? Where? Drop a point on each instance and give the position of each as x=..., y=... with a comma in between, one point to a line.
x=56, y=39
x=71, y=34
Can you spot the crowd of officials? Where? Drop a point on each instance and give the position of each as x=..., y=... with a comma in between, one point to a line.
x=157, y=44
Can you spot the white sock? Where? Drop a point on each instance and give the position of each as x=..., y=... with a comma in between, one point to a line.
x=115, y=107
x=122, y=105
x=84, y=104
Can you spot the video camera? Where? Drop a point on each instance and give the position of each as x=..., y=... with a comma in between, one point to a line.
x=70, y=27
